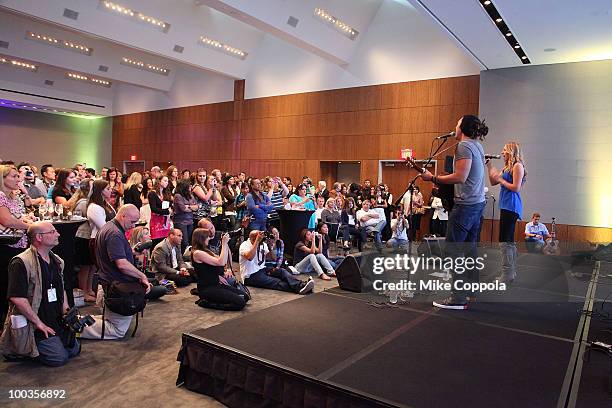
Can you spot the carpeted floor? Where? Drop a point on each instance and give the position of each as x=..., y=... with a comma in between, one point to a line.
x=139, y=371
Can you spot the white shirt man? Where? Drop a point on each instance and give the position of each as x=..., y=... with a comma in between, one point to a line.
x=371, y=220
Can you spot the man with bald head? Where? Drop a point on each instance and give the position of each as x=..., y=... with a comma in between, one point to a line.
x=38, y=300
x=116, y=263
x=255, y=273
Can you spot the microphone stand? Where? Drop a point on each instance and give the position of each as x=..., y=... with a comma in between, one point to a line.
x=492, y=218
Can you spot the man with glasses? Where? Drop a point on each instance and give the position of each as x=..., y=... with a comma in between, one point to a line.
x=38, y=301
x=116, y=262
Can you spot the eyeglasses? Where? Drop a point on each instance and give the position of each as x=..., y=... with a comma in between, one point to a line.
x=53, y=231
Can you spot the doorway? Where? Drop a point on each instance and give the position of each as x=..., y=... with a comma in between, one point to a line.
x=346, y=172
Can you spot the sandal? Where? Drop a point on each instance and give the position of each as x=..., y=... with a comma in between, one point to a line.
x=324, y=277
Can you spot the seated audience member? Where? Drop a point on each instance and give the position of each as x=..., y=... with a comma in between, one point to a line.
x=27, y=175
x=253, y=253
x=213, y=279
x=307, y=256
x=536, y=234
x=301, y=200
x=133, y=190
x=371, y=220
x=38, y=301
x=115, y=260
x=276, y=256
x=63, y=189
x=323, y=230
x=399, y=231
x=322, y=191
x=140, y=241
x=167, y=262
x=316, y=216
x=349, y=224
x=47, y=180
x=331, y=213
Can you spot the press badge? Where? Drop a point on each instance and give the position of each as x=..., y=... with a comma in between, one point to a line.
x=51, y=295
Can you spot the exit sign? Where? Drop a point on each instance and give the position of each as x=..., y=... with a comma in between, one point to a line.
x=133, y=157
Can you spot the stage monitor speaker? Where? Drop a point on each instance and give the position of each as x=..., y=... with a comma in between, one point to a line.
x=353, y=274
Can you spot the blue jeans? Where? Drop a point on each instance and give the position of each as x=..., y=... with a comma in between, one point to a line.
x=461, y=233
x=53, y=353
x=187, y=230
x=274, y=278
x=376, y=229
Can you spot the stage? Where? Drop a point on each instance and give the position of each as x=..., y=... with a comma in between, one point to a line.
x=344, y=349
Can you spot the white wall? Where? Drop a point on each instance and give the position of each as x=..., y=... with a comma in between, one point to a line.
x=399, y=45
x=560, y=114
x=190, y=87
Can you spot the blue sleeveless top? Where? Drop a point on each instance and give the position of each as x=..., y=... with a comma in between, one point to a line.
x=510, y=200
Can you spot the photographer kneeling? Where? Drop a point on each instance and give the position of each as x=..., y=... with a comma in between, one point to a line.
x=34, y=326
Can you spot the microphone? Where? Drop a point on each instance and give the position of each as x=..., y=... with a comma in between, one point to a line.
x=492, y=156
x=446, y=136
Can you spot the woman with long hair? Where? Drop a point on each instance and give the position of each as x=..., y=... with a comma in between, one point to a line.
x=114, y=182
x=510, y=179
x=202, y=196
x=173, y=178
x=349, y=224
x=159, y=202
x=307, y=256
x=301, y=200
x=147, y=185
x=12, y=218
x=81, y=244
x=140, y=242
x=214, y=289
x=133, y=189
x=63, y=190
x=184, y=206
x=99, y=209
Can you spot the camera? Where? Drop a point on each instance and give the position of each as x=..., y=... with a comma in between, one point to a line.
x=141, y=246
x=73, y=321
x=29, y=173
x=268, y=235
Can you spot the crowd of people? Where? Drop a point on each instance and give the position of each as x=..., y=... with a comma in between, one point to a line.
x=168, y=229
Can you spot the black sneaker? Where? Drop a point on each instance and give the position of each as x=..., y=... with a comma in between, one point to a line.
x=307, y=287
x=451, y=303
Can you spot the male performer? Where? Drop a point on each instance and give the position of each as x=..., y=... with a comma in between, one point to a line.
x=464, y=220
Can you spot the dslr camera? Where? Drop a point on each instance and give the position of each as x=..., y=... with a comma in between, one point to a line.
x=74, y=322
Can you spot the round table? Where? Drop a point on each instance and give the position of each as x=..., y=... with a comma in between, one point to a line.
x=65, y=250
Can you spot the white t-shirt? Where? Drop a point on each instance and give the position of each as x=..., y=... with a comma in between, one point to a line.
x=247, y=268
x=371, y=221
x=402, y=233
x=439, y=211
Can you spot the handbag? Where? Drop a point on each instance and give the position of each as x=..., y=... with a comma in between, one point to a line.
x=243, y=289
x=125, y=298
x=159, y=226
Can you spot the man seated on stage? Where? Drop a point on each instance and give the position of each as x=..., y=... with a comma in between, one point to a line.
x=253, y=268
x=167, y=262
x=370, y=220
x=536, y=234
x=38, y=301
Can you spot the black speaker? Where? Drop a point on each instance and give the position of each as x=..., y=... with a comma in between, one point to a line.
x=355, y=273
x=431, y=246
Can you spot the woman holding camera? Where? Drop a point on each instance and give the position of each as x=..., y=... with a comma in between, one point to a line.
x=213, y=286
x=307, y=256
x=302, y=201
x=141, y=243
x=323, y=230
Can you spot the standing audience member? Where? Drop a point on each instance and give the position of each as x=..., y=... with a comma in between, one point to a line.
x=12, y=219
x=116, y=263
x=202, y=196
x=440, y=215
x=38, y=301
x=27, y=176
x=62, y=192
x=184, y=206
x=276, y=191
x=259, y=206
x=112, y=176
x=301, y=200
x=228, y=193
x=214, y=289
x=173, y=178
x=99, y=210
x=81, y=244
x=159, y=203
x=45, y=184
x=133, y=190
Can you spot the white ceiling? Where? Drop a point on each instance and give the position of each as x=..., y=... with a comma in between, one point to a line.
x=577, y=30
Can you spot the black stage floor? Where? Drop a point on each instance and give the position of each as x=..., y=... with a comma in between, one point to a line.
x=337, y=348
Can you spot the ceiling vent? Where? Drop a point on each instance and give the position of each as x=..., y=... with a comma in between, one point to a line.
x=293, y=22
x=49, y=82
x=178, y=48
x=103, y=68
x=71, y=14
x=4, y=44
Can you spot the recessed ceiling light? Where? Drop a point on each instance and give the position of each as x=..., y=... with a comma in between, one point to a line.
x=486, y=3
x=508, y=34
x=219, y=46
x=85, y=78
x=498, y=20
x=517, y=46
x=134, y=15
x=18, y=64
x=56, y=42
x=130, y=62
x=336, y=23
x=524, y=57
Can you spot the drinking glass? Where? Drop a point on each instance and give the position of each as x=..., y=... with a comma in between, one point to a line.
x=59, y=211
x=42, y=211
x=78, y=213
